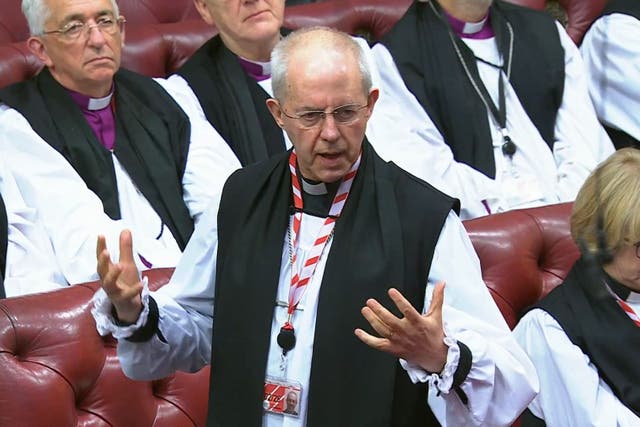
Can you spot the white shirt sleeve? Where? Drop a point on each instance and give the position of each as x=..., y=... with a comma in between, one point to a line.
x=571, y=391
x=502, y=380
x=30, y=264
x=186, y=312
x=580, y=141
x=71, y=214
x=401, y=131
x=611, y=52
x=210, y=160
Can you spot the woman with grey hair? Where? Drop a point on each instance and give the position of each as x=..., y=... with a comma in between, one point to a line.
x=581, y=335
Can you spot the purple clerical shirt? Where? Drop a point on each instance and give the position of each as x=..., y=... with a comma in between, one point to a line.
x=99, y=115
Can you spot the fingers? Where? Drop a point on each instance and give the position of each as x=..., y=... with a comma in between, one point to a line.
x=126, y=247
x=371, y=341
x=101, y=245
x=437, y=300
x=405, y=307
x=376, y=323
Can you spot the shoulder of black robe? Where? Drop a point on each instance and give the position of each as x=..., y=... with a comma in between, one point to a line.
x=61, y=124
x=627, y=7
x=233, y=102
x=152, y=141
x=588, y=314
x=385, y=237
x=424, y=54
x=4, y=240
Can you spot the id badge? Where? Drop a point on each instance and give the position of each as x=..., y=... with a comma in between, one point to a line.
x=282, y=396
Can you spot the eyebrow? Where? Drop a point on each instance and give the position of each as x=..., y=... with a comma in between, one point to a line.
x=80, y=17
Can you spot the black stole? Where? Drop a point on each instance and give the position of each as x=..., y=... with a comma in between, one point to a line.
x=588, y=314
x=388, y=231
x=431, y=70
x=385, y=237
x=4, y=239
x=619, y=137
x=233, y=102
x=152, y=141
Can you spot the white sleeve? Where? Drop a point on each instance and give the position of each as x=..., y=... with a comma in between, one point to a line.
x=502, y=381
x=30, y=264
x=611, y=52
x=571, y=391
x=580, y=141
x=70, y=213
x=185, y=307
x=210, y=160
x=401, y=131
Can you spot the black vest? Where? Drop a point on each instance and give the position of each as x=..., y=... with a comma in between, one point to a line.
x=233, y=102
x=431, y=70
x=619, y=137
x=588, y=314
x=4, y=238
x=386, y=235
x=152, y=141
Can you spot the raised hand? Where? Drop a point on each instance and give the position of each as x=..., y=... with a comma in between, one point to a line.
x=417, y=338
x=121, y=281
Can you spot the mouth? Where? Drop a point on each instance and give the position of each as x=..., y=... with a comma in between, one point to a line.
x=100, y=59
x=255, y=15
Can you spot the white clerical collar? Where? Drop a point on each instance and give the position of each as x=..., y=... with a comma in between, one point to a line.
x=474, y=27
x=265, y=66
x=99, y=103
x=314, y=189
x=633, y=298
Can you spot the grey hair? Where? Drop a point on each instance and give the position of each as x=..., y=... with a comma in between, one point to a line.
x=37, y=12
x=281, y=55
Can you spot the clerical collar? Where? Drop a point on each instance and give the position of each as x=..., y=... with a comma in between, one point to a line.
x=91, y=104
x=471, y=30
x=618, y=288
x=314, y=188
x=256, y=69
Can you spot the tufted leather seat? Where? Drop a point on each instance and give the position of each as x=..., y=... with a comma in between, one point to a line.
x=523, y=254
x=57, y=372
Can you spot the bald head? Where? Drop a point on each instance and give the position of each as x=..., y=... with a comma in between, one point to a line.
x=315, y=50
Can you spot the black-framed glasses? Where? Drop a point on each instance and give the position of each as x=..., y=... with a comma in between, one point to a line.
x=74, y=29
x=344, y=115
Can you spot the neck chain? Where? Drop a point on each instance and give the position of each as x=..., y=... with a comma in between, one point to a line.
x=499, y=113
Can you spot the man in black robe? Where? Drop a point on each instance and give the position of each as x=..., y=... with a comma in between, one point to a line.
x=303, y=241
x=125, y=137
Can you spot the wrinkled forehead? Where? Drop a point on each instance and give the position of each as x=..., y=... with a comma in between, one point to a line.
x=68, y=10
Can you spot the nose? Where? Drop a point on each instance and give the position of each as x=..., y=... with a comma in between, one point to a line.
x=95, y=35
x=329, y=130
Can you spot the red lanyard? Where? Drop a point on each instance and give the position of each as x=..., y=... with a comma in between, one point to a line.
x=300, y=277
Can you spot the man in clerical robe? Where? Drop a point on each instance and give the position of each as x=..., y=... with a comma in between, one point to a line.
x=610, y=50
x=505, y=87
x=85, y=125
x=287, y=286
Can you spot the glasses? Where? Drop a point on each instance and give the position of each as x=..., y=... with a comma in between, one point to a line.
x=73, y=30
x=344, y=115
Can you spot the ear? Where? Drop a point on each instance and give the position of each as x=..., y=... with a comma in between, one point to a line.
x=37, y=47
x=373, y=98
x=122, y=33
x=203, y=10
x=274, y=107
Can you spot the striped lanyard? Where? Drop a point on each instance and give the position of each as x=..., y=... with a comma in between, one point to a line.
x=627, y=309
x=300, y=277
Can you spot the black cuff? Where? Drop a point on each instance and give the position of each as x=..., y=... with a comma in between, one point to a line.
x=464, y=366
x=149, y=329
